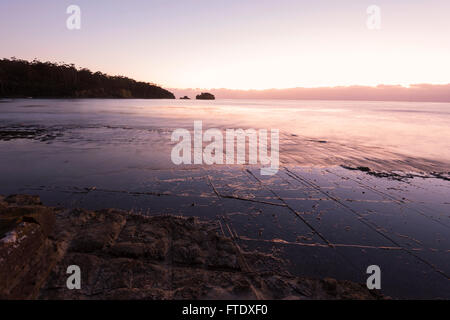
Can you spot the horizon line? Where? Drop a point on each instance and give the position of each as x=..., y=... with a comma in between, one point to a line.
x=313, y=87
x=419, y=92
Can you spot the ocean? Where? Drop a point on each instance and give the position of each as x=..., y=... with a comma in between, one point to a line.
x=359, y=182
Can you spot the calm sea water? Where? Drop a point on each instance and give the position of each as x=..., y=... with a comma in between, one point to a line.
x=384, y=129
x=116, y=153
x=45, y=141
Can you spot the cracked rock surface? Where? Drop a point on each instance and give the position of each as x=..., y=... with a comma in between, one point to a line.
x=127, y=256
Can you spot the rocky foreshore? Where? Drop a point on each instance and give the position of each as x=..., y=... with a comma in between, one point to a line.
x=122, y=255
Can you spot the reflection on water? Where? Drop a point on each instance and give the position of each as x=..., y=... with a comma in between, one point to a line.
x=326, y=221
x=406, y=135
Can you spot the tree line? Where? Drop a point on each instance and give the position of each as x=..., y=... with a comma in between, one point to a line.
x=21, y=78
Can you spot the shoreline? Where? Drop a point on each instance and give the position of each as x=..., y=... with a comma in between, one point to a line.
x=379, y=197
x=128, y=256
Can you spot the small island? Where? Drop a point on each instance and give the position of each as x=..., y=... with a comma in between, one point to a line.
x=205, y=96
x=185, y=98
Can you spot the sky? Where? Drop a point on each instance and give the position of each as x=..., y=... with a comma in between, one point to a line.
x=238, y=44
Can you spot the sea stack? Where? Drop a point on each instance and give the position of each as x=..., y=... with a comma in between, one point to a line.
x=205, y=96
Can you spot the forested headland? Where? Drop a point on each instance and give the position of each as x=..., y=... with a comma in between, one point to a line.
x=37, y=79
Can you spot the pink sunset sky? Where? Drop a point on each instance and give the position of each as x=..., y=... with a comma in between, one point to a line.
x=242, y=45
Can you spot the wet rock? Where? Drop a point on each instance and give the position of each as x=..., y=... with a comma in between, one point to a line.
x=27, y=254
x=28, y=132
x=99, y=232
x=127, y=256
x=23, y=200
x=330, y=285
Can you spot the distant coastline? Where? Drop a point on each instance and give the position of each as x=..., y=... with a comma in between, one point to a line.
x=36, y=79
x=413, y=93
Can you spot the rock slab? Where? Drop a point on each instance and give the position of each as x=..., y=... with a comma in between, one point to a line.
x=127, y=256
